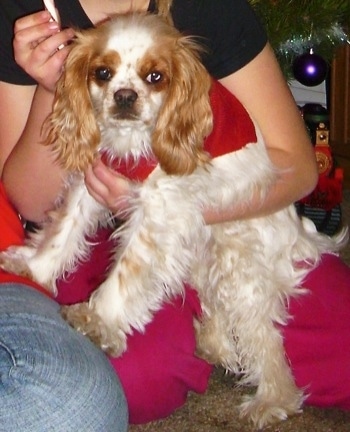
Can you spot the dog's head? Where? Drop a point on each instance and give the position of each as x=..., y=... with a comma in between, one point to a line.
x=134, y=75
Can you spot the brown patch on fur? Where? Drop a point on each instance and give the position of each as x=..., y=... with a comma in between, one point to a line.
x=109, y=60
x=154, y=61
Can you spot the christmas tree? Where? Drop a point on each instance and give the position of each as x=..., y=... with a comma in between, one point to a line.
x=295, y=27
x=305, y=35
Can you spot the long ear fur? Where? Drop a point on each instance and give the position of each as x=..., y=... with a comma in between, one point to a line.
x=71, y=128
x=164, y=10
x=185, y=119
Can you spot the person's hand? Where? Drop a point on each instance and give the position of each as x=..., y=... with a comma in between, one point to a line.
x=36, y=42
x=108, y=187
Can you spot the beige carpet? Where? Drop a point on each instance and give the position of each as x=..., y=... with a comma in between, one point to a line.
x=215, y=411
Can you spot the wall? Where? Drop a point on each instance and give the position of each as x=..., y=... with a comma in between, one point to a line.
x=303, y=94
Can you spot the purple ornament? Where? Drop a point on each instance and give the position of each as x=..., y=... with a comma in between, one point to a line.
x=310, y=69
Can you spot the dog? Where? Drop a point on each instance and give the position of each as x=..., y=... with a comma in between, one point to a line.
x=134, y=88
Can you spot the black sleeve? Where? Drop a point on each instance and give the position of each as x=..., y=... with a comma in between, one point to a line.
x=229, y=29
x=70, y=11
x=9, y=12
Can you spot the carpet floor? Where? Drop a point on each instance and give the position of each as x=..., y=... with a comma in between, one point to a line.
x=215, y=411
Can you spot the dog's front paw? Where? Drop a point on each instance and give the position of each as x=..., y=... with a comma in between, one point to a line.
x=14, y=260
x=263, y=411
x=23, y=261
x=85, y=320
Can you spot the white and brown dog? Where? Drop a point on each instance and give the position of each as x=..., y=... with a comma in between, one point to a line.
x=135, y=88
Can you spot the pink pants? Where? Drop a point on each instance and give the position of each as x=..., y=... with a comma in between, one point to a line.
x=317, y=339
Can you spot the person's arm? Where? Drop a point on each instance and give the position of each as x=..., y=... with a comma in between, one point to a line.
x=15, y=102
x=262, y=89
x=30, y=176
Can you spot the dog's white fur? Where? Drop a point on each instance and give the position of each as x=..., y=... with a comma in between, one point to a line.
x=245, y=271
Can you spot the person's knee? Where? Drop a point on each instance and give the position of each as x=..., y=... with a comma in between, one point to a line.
x=52, y=375
x=97, y=398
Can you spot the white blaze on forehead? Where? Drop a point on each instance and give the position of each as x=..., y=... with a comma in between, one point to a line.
x=131, y=42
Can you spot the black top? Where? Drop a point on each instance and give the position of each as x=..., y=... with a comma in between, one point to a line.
x=228, y=28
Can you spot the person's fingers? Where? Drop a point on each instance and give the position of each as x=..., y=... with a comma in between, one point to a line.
x=36, y=48
x=32, y=20
x=107, y=186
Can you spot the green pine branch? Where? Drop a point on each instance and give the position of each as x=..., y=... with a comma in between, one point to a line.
x=295, y=26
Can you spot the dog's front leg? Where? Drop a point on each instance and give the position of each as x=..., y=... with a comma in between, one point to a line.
x=60, y=243
x=153, y=261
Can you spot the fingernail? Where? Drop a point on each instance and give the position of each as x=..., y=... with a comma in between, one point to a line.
x=70, y=33
x=53, y=25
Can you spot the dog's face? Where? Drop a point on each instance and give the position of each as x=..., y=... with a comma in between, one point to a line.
x=134, y=76
x=129, y=75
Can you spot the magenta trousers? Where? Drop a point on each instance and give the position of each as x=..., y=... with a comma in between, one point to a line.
x=317, y=338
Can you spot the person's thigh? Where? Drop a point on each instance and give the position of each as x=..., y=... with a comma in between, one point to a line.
x=51, y=377
x=317, y=337
x=160, y=366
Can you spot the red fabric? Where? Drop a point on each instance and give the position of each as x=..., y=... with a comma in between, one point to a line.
x=327, y=194
x=12, y=233
x=233, y=128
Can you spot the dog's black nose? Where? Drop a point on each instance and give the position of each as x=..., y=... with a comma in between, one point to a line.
x=125, y=98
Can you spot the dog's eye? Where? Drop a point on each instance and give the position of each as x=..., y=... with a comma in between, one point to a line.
x=103, y=73
x=154, y=77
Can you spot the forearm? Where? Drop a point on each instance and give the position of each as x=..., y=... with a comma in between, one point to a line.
x=30, y=176
x=262, y=89
x=293, y=182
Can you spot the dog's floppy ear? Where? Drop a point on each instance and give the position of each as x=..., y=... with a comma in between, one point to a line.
x=71, y=128
x=185, y=119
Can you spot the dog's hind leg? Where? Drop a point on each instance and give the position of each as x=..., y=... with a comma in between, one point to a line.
x=216, y=344
x=276, y=396
x=241, y=305
x=265, y=366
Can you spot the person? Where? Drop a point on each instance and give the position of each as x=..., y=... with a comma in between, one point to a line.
x=160, y=366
